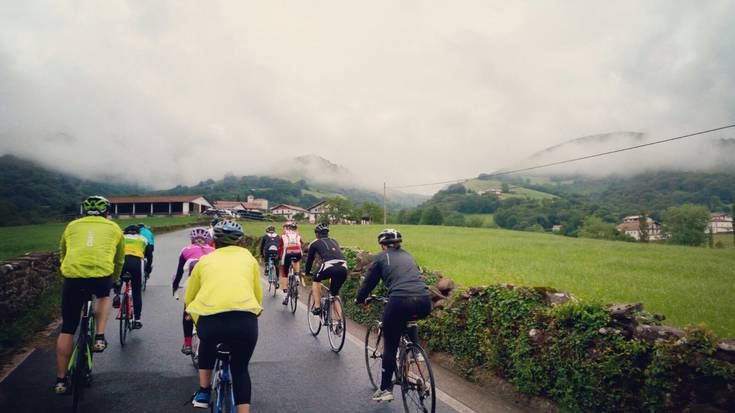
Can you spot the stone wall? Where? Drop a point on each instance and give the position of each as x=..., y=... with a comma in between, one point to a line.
x=24, y=280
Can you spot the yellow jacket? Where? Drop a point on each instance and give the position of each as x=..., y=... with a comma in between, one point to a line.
x=92, y=247
x=135, y=245
x=227, y=279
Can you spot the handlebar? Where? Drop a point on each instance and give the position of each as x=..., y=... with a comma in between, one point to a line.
x=376, y=298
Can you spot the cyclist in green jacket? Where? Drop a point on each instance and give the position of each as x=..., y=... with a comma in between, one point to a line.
x=92, y=256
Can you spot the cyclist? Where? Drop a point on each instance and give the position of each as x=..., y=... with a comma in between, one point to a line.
x=333, y=268
x=135, y=249
x=92, y=256
x=188, y=258
x=224, y=295
x=148, y=234
x=289, y=250
x=408, y=299
x=269, y=248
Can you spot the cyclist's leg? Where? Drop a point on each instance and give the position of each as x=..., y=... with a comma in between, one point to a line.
x=338, y=276
x=420, y=308
x=100, y=287
x=134, y=265
x=285, y=265
x=208, y=330
x=316, y=286
x=242, y=335
x=394, y=321
x=72, y=301
x=149, y=259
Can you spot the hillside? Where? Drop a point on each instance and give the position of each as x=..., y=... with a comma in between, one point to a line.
x=30, y=193
x=481, y=185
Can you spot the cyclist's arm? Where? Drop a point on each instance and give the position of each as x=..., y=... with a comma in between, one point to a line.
x=192, y=286
x=257, y=285
x=148, y=253
x=262, y=245
x=371, y=280
x=62, y=246
x=280, y=247
x=179, y=272
x=119, y=258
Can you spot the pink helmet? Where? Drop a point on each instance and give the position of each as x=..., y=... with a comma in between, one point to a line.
x=200, y=233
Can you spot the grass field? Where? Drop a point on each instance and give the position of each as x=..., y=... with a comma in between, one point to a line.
x=515, y=192
x=487, y=219
x=725, y=239
x=689, y=285
x=15, y=241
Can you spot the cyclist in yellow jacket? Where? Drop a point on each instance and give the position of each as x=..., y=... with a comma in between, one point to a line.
x=92, y=253
x=136, y=249
x=224, y=295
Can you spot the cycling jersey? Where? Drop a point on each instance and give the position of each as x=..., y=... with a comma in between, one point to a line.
x=188, y=254
x=92, y=247
x=329, y=252
x=135, y=245
x=227, y=279
x=399, y=272
x=290, y=243
x=148, y=234
x=269, y=244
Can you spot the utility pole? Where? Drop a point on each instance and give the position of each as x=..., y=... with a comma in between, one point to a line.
x=385, y=210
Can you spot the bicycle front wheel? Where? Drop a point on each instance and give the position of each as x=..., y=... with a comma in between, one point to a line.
x=124, y=319
x=315, y=321
x=418, y=388
x=337, y=330
x=374, y=353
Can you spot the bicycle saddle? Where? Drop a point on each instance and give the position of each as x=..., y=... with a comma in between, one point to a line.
x=223, y=349
x=126, y=277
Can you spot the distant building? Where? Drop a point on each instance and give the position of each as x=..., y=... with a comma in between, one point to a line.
x=149, y=205
x=720, y=223
x=256, y=204
x=288, y=211
x=231, y=205
x=316, y=211
x=631, y=227
x=556, y=228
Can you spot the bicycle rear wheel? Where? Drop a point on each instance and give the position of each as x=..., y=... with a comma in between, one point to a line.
x=315, y=321
x=337, y=329
x=124, y=319
x=418, y=388
x=374, y=353
x=293, y=292
x=79, y=371
x=195, y=350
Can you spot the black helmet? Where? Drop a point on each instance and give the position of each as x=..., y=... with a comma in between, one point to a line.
x=321, y=228
x=140, y=225
x=95, y=205
x=228, y=233
x=270, y=229
x=132, y=229
x=290, y=224
x=214, y=221
x=389, y=236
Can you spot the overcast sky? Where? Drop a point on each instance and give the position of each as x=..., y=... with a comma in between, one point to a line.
x=170, y=92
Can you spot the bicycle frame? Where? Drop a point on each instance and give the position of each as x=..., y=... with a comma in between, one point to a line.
x=80, y=362
x=221, y=378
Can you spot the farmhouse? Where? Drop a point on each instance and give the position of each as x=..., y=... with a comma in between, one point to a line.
x=317, y=210
x=288, y=211
x=232, y=205
x=149, y=205
x=256, y=204
x=720, y=223
x=631, y=227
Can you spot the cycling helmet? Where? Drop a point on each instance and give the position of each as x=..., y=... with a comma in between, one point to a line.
x=228, y=232
x=321, y=228
x=214, y=221
x=132, y=229
x=199, y=233
x=95, y=205
x=389, y=236
x=271, y=229
x=290, y=224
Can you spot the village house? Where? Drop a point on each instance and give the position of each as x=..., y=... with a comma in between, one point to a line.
x=631, y=227
x=231, y=205
x=316, y=211
x=256, y=204
x=289, y=211
x=720, y=223
x=150, y=205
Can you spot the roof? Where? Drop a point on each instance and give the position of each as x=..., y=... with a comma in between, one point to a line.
x=227, y=204
x=253, y=205
x=316, y=205
x=129, y=199
x=628, y=226
x=295, y=208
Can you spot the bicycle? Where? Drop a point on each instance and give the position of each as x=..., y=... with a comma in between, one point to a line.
x=195, y=349
x=80, y=362
x=223, y=399
x=125, y=312
x=293, y=288
x=272, y=280
x=335, y=323
x=413, y=370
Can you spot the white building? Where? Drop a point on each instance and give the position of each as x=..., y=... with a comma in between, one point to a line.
x=317, y=210
x=145, y=205
x=256, y=204
x=720, y=223
x=288, y=211
x=631, y=227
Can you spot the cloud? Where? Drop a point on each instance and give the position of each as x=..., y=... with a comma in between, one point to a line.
x=399, y=91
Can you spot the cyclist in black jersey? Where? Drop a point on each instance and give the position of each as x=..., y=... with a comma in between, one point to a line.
x=408, y=299
x=334, y=266
x=269, y=249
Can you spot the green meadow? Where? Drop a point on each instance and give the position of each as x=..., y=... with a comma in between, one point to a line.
x=686, y=284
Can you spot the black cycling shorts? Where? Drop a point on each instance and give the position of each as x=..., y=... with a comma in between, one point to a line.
x=74, y=293
x=287, y=259
x=336, y=274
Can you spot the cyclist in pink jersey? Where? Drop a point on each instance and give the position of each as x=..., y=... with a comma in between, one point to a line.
x=190, y=255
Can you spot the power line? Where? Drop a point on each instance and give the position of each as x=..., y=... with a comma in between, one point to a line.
x=596, y=155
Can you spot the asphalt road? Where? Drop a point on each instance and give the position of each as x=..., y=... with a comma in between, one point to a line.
x=291, y=370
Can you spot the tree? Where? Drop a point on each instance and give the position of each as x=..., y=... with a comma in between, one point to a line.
x=504, y=188
x=339, y=208
x=454, y=219
x=643, y=227
x=432, y=216
x=595, y=227
x=373, y=210
x=299, y=216
x=686, y=225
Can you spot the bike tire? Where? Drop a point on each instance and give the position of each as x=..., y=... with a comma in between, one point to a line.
x=294, y=295
x=336, y=330
x=315, y=321
x=374, y=353
x=195, y=350
x=124, y=319
x=79, y=371
x=418, y=388
x=228, y=398
x=145, y=281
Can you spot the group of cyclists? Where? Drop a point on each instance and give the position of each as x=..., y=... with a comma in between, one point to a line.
x=223, y=291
